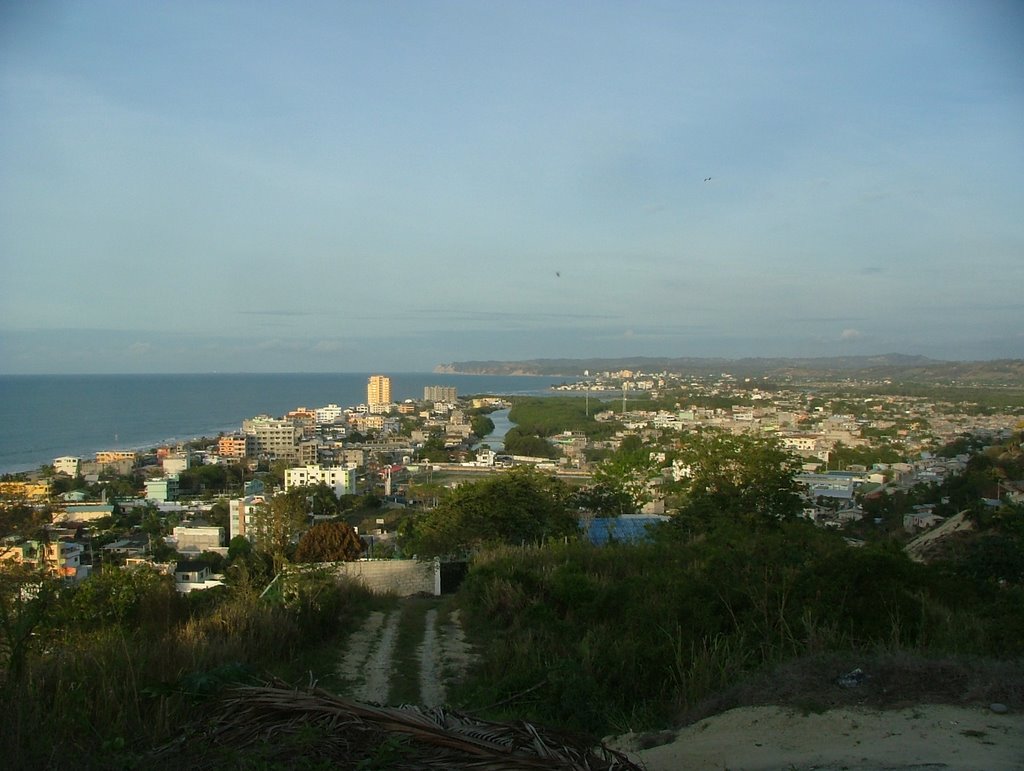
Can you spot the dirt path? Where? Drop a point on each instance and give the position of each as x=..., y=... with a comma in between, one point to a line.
x=371, y=660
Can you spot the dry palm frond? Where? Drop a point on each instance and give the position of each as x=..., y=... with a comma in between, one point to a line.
x=270, y=725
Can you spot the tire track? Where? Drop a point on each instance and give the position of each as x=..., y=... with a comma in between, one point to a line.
x=368, y=660
x=432, y=690
x=443, y=656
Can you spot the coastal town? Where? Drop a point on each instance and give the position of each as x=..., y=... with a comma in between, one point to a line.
x=182, y=507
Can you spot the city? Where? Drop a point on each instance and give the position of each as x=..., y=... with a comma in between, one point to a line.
x=210, y=492
x=617, y=385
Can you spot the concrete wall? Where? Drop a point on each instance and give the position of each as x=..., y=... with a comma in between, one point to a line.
x=403, y=577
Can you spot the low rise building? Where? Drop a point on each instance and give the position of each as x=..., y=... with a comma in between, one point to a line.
x=60, y=559
x=198, y=537
x=341, y=479
x=24, y=490
x=85, y=512
x=236, y=446
x=67, y=464
x=105, y=457
x=162, y=489
x=241, y=512
x=194, y=575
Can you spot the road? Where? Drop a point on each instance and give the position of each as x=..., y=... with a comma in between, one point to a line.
x=412, y=653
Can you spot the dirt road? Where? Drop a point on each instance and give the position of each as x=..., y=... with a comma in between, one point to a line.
x=409, y=654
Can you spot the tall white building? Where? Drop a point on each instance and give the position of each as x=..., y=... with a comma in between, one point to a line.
x=341, y=479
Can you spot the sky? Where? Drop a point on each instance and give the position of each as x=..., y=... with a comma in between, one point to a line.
x=351, y=186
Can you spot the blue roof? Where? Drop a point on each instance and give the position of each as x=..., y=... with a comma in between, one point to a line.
x=627, y=529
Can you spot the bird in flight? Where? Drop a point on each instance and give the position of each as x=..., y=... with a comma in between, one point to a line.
x=558, y=274
x=707, y=179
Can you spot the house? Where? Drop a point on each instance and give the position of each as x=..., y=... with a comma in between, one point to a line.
x=193, y=537
x=921, y=517
x=127, y=547
x=61, y=559
x=85, y=512
x=162, y=489
x=194, y=575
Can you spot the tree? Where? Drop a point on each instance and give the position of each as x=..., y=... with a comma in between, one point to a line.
x=624, y=480
x=219, y=514
x=27, y=602
x=433, y=449
x=329, y=542
x=738, y=477
x=322, y=500
x=603, y=500
x=519, y=442
x=121, y=596
x=277, y=523
x=482, y=425
x=516, y=507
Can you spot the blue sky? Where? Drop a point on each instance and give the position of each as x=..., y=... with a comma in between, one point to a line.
x=349, y=186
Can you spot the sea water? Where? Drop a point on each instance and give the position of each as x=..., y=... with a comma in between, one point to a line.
x=46, y=416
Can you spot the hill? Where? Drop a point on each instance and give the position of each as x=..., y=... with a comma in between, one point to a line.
x=890, y=366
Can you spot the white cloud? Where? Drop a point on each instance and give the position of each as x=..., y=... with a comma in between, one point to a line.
x=851, y=334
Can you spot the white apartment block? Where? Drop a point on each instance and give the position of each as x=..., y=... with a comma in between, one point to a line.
x=341, y=479
x=327, y=415
x=67, y=464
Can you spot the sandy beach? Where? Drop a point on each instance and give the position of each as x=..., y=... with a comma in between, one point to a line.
x=763, y=738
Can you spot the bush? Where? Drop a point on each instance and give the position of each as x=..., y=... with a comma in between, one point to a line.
x=622, y=637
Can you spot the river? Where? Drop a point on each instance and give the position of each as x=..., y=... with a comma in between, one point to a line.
x=495, y=439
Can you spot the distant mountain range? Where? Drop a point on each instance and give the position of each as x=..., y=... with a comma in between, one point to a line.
x=890, y=366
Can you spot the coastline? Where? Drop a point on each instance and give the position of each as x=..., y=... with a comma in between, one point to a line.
x=43, y=417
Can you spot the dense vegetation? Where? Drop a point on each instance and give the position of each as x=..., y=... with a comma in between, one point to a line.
x=107, y=670
x=519, y=507
x=627, y=636
x=546, y=416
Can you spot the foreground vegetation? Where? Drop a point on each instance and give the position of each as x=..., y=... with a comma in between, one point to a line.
x=629, y=636
x=101, y=674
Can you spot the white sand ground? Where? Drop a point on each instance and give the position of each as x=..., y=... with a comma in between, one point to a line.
x=922, y=737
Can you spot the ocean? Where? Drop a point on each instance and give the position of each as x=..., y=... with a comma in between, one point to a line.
x=43, y=417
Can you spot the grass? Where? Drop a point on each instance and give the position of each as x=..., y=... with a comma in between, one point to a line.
x=120, y=688
x=405, y=677
x=631, y=637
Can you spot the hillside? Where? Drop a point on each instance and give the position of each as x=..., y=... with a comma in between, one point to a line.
x=891, y=366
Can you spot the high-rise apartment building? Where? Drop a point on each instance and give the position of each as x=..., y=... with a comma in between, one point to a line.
x=277, y=438
x=378, y=393
x=439, y=393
